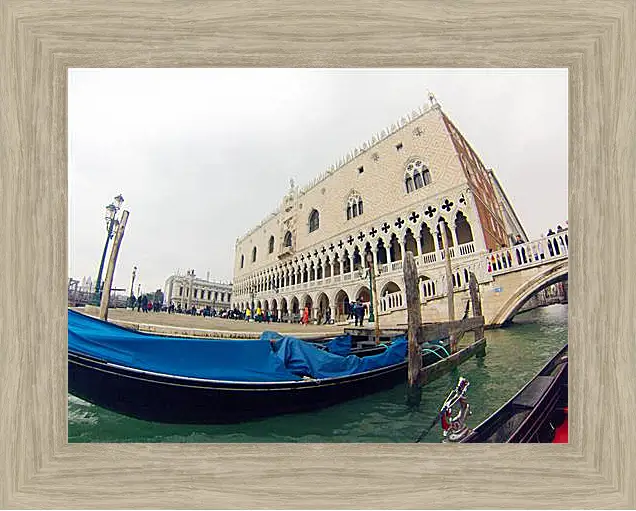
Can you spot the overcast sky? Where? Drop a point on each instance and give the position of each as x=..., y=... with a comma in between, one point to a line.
x=202, y=155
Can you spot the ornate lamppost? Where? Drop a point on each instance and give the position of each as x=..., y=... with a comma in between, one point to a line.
x=132, y=287
x=111, y=223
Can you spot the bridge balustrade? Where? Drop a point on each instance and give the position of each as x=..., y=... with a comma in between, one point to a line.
x=532, y=253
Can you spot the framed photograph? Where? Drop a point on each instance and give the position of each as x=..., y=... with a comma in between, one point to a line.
x=292, y=327
x=50, y=459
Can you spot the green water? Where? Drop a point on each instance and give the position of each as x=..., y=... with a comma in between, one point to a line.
x=514, y=355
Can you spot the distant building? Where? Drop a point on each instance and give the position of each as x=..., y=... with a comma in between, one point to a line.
x=80, y=293
x=188, y=290
x=394, y=193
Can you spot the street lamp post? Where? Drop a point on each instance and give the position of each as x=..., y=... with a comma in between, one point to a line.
x=111, y=223
x=132, y=287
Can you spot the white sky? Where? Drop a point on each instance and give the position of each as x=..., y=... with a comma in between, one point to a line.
x=202, y=155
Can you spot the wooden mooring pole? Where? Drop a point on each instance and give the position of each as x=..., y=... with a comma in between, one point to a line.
x=475, y=300
x=414, y=313
x=449, y=283
x=103, y=309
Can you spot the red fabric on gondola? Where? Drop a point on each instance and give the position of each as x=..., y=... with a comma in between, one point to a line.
x=561, y=433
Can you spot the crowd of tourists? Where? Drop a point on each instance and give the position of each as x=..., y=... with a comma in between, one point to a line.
x=355, y=310
x=144, y=304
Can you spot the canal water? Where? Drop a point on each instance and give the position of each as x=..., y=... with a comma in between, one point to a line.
x=514, y=355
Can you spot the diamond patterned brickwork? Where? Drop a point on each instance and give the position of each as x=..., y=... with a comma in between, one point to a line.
x=381, y=187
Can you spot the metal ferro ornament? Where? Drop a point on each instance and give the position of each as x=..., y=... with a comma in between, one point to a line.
x=455, y=428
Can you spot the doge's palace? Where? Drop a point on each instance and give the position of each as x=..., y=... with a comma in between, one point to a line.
x=393, y=194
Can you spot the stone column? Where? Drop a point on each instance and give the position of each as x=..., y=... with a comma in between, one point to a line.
x=454, y=236
x=170, y=291
x=418, y=241
x=190, y=298
x=438, y=248
x=375, y=256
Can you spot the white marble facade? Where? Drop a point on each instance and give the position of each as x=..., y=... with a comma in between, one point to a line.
x=391, y=195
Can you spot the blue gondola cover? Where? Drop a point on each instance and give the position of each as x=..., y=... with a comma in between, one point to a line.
x=341, y=345
x=272, y=358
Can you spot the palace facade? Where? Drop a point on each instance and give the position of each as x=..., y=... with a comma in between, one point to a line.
x=393, y=194
x=188, y=290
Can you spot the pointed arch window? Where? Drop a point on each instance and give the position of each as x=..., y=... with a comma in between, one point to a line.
x=426, y=176
x=271, y=244
x=254, y=255
x=314, y=221
x=287, y=242
x=417, y=176
x=355, y=205
x=242, y=260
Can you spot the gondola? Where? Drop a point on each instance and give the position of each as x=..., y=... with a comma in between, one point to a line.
x=211, y=381
x=536, y=414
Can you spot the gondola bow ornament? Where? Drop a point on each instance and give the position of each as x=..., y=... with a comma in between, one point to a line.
x=454, y=427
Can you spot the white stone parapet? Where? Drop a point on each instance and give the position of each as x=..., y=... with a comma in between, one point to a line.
x=531, y=253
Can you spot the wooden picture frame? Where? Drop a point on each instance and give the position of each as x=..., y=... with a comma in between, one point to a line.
x=41, y=39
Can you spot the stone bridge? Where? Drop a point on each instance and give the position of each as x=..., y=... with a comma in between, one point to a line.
x=507, y=279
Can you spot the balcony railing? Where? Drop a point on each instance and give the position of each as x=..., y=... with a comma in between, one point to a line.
x=429, y=258
x=391, y=301
x=396, y=265
x=466, y=248
x=504, y=260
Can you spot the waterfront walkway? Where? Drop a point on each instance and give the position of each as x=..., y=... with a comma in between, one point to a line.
x=199, y=326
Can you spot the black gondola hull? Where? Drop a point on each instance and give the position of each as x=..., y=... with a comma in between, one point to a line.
x=532, y=415
x=172, y=399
